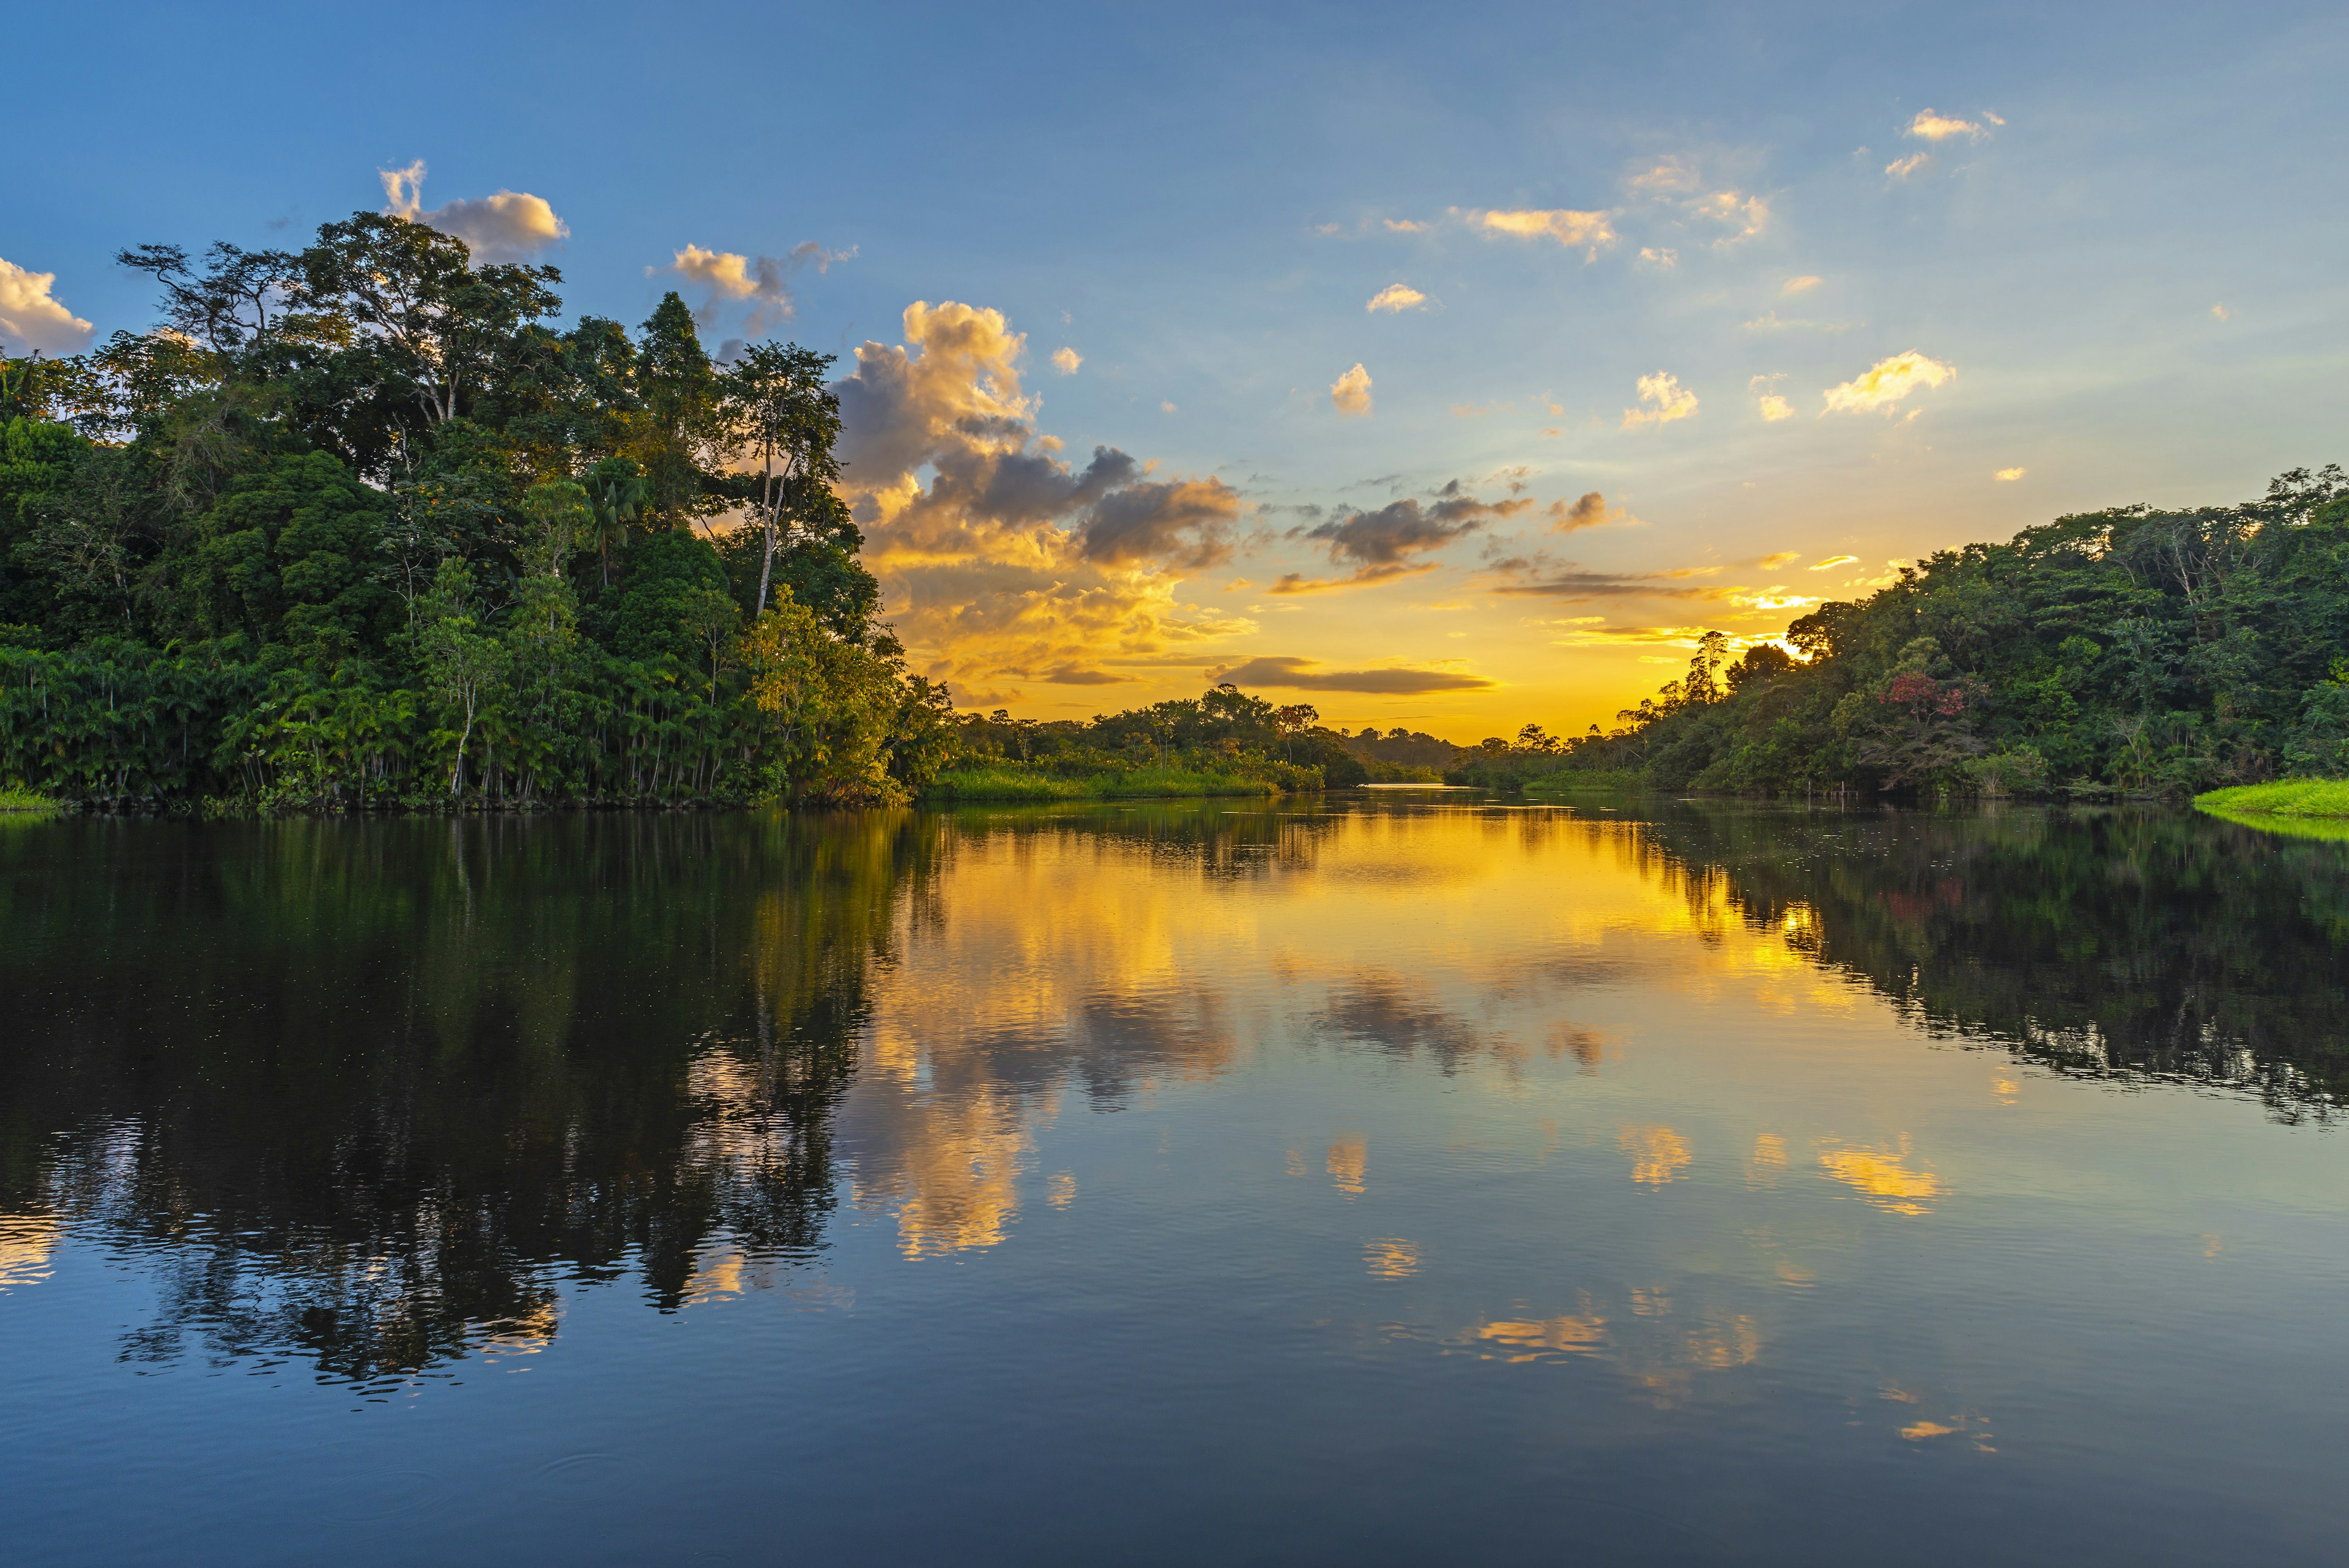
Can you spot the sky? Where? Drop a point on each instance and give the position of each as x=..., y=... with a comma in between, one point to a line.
x=1445, y=367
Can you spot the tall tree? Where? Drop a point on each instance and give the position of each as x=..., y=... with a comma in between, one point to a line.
x=787, y=422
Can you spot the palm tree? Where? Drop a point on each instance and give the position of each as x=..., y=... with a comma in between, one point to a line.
x=616, y=494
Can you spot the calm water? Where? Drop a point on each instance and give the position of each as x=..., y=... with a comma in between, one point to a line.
x=1404, y=1181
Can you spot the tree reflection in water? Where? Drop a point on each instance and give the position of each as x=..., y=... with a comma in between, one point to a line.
x=370, y=1095
x=2126, y=944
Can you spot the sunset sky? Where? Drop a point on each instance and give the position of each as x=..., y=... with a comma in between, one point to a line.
x=1443, y=367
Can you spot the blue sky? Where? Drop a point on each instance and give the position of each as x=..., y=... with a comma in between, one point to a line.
x=2122, y=270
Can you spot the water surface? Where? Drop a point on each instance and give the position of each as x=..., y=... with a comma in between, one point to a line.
x=1420, y=1178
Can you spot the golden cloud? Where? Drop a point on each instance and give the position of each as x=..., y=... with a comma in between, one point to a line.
x=1066, y=361
x=32, y=317
x=1832, y=561
x=1589, y=232
x=1671, y=400
x=1901, y=168
x=1396, y=297
x=1349, y=394
x=1010, y=564
x=1886, y=382
x=1801, y=285
x=503, y=227
x=1774, y=408
x=1930, y=127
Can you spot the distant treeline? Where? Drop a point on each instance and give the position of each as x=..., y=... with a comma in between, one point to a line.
x=353, y=525
x=2127, y=651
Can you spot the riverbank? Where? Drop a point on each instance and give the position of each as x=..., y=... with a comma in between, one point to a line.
x=16, y=799
x=1018, y=785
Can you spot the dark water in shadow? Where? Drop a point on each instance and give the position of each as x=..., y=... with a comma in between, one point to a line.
x=1363, y=1181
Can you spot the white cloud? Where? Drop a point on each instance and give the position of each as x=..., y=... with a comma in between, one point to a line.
x=1671, y=400
x=1588, y=231
x=1886, y=382
x=1801, y=285
x=1662, y=257
x=1349, y=394
x=1066, y=361
x=32, y=317
x=1930, y=127
x=2009, y=475
x=1901, y=168
x=1776, y=408
x=1395, y=298
x=508, y=226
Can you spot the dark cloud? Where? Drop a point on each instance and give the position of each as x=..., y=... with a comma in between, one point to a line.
x=1298, y=583
x=1068, y=675
x=1404, y=527
x=1589, y=511
x=1572, y=583
x=1280, y=669
x=1187, y=522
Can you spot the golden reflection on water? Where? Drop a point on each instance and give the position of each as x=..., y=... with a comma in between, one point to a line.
x=26, y=1242
x=1658, y=1153
x=1882, y=1178
x=1392, y=1258
x=1349, y=1159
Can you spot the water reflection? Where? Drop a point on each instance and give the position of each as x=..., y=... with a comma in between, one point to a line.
x=2107, y=942
x=373, y=1096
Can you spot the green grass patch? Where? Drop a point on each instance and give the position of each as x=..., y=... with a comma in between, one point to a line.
x=1584, y=781
x=1016, y=784
x=2304, y=808
x=13, y=798
x=2286, y=797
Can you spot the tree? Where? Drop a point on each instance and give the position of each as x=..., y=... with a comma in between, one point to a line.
x=616, y=493
x=462, y=664
x=786, y=422
x=677, y=426
x=1293, y=720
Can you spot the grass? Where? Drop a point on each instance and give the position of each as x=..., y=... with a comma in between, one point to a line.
x=2305, y=808
x=1016, y=784
x=2286, y=797
x=13, y=798
x=1580, y=780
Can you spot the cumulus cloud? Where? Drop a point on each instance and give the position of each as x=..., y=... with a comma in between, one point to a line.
x=1930, y=127
x=1901, y=168
x=1306, y=675
x=2009, y=475
x=1671, y=400
x=1395, y=298
x=1349, y=394
x=509, y=226
x=1066, y=361
x=732, y=278
x=999, y=560
x=1886, y=382
x=1801, y=285
x=32, y=316
x=1774, y=408
x=1588, y=233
